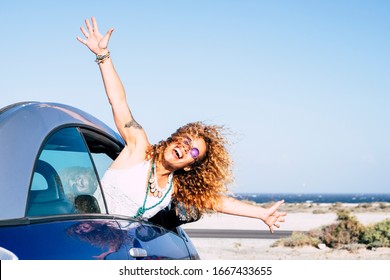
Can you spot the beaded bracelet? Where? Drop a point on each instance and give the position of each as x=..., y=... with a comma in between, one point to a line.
x=100, y=58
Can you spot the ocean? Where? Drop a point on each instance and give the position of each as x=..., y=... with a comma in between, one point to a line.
x=315, y=197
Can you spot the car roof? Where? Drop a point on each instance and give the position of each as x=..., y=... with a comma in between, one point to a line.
x=24, y=127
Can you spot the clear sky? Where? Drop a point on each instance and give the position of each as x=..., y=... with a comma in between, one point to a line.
x=303, y=85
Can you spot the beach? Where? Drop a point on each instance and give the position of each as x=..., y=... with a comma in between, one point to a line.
x=298, y=219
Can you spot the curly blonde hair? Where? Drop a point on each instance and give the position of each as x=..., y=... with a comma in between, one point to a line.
x=200, y=189
x=101, y=234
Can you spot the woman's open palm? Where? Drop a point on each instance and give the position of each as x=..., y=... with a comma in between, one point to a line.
x=93, y=39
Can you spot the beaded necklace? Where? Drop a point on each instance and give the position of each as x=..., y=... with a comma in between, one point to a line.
x=150, y=180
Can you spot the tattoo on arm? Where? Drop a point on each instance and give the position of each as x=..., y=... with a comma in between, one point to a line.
x=133, y=123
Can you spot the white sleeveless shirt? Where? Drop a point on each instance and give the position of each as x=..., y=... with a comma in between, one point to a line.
x=125, y=191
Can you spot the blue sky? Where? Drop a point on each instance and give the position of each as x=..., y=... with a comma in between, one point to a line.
x=303, y=85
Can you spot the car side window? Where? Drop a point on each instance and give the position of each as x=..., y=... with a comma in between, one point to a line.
x=64, y=179
x=103, y=150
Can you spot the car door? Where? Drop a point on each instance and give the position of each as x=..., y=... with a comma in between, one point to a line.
x=143, y=240
x=67, y=213
x=151, y=242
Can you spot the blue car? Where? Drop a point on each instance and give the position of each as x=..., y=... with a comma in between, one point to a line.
x=52, y=205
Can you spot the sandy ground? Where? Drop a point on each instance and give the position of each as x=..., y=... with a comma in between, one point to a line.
x=261, y=249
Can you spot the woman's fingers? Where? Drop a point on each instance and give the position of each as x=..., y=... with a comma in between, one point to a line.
x=88, y=25
x=85, y=33
x=94, y=25
x=274, y=207
x=81, y=40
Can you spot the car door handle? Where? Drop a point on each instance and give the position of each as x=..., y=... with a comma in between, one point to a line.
x=138, y=252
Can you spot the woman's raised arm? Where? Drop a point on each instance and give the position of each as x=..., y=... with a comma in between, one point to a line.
x=132, y=133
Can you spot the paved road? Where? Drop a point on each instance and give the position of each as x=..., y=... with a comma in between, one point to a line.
x=227, y=233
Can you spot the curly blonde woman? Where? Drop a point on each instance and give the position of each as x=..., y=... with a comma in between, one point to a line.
x=191, y=168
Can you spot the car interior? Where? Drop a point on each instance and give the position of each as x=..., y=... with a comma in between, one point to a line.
x=50, y=198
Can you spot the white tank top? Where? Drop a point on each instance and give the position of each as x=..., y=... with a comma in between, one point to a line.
x=125, y=191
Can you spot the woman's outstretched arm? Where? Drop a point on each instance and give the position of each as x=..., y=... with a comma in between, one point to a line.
x=270, y=216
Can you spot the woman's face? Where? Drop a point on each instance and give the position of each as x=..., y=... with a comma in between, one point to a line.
x=184, y=152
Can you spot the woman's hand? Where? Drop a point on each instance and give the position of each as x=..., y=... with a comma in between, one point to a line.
x=94, y=40
x=272, y=218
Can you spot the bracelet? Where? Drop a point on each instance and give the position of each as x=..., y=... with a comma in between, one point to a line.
x=100, y=58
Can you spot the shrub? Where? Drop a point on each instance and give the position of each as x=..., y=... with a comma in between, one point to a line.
x=336, y=206
x=384, y=206
x=348, y=230
x=320, y=211
x=377, y=235
x=348, y=233
x=365, y=205
x=298, y=239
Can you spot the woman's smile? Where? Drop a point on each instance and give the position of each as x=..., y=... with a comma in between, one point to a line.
x=177, y=153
